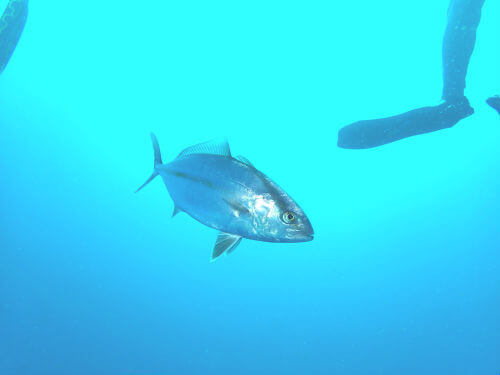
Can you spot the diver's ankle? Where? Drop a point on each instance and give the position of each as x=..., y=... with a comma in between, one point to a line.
x=456, y=100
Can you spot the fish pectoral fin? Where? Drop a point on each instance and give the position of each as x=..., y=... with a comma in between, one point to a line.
x=244, y=160
x=214, y=147
x=225, y=243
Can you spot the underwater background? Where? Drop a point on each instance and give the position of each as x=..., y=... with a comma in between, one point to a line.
x=403, y=276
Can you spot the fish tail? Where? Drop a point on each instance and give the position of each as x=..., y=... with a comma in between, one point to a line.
x=157, y=161
x=156, y=148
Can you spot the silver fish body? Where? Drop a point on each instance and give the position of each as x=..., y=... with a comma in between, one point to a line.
x=229, y=194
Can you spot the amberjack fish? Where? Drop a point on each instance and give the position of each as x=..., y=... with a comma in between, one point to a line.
x=230, y=195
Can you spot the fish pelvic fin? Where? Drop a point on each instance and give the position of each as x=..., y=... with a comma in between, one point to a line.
x=225, y=243
x=157, y=161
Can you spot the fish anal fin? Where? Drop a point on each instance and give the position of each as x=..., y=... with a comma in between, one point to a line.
x=176, y=211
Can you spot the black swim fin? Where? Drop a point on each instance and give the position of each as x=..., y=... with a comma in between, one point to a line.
x=373, y=133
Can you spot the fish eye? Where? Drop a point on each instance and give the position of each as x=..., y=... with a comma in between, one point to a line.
x=288, y=217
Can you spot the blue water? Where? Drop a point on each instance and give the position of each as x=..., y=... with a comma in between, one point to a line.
x=403, y=276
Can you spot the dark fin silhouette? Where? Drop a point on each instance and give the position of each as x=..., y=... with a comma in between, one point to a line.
x=373, y=133
x=225, y=243
x=157, y=161
x=494, y=103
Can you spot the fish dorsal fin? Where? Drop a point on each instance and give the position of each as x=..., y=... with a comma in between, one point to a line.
x=176, y=211
x=225, y=243
x=244, y=160
x=215, y=147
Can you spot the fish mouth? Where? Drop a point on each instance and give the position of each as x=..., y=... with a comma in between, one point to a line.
x=304, y=238
x=297, y=235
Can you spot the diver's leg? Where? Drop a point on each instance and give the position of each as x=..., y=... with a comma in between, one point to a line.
x=11, y=27
x=458, y=44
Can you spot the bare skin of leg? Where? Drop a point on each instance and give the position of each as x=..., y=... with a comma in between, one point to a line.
x=458, y=45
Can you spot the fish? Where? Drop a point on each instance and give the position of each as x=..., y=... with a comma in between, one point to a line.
x=230, y=195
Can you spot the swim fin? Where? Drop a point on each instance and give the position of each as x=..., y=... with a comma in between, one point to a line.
x=378, y=132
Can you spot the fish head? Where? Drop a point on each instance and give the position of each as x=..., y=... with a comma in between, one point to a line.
x=277, y=218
